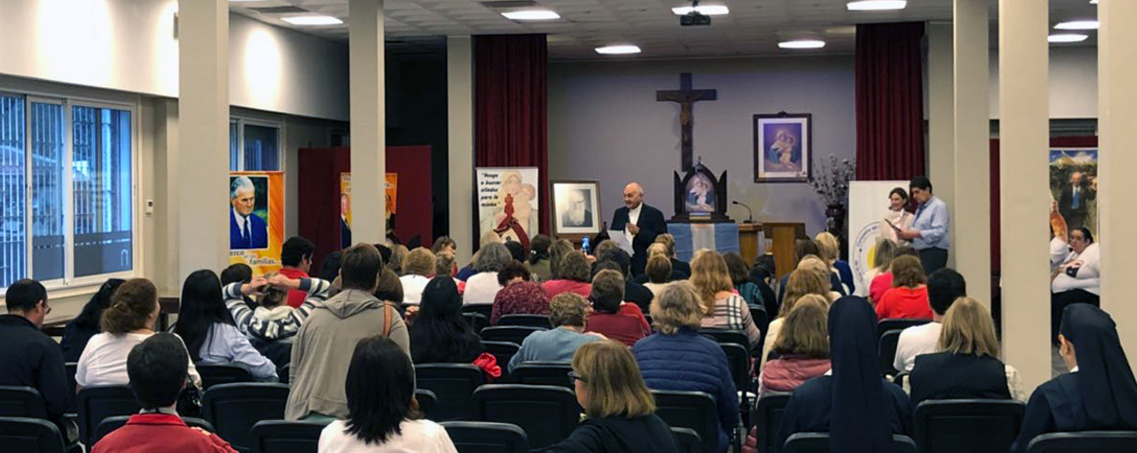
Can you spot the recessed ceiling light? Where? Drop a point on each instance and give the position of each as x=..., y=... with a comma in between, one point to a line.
x=1093, y=2
x=312, y=20
x=1067, y=37
x=618, y=50
x=876, y=5
x=707, y=10
x=532, y=14
x=802, y=44
x=1077, y=25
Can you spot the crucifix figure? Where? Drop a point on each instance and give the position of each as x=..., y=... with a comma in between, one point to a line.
x=686, y=97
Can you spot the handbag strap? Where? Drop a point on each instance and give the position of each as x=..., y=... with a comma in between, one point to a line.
x=386, y=319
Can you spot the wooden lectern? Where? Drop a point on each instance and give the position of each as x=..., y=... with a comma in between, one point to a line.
x=784, y=236
x=748, y=241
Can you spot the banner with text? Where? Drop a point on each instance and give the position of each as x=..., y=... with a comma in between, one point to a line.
x=256, y=219
x=507, y=202
x=392, y=198
x=868, y=206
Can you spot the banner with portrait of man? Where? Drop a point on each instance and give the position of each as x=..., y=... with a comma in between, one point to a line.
x=256, y=219
x=1074, y=185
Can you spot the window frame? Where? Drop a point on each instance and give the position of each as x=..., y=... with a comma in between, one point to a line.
x=243, y=120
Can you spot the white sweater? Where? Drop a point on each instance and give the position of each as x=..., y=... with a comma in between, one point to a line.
x=416, y=436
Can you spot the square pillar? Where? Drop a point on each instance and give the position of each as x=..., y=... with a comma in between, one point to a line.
x=368, y=123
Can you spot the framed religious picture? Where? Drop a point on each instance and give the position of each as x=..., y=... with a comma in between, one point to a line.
x=576, y=207
x=782, y=147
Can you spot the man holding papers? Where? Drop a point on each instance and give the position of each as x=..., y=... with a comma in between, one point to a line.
x=640, y=223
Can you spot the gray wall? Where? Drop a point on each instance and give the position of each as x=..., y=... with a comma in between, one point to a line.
x=605, y=124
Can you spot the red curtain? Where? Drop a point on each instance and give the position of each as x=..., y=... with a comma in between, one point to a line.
x=510, y=107
x=890, y=101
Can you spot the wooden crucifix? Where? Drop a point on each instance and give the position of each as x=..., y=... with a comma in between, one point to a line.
x=686, y=97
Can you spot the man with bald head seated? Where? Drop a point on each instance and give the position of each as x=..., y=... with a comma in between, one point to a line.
x=640, y=223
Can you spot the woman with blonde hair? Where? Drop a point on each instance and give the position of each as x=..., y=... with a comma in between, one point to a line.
x=908, y=297
x=557, y=252
x=830, y=248
x=679, y=267
x=722, y=308
x=802, y=282
x=620, y=409
x=881, y=258
x=967, y=363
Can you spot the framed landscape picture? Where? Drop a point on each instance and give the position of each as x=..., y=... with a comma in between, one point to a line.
x=782, y=147
x=576, y=208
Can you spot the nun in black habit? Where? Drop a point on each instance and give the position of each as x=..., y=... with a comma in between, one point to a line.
x=1099, y=393
x=859, y=409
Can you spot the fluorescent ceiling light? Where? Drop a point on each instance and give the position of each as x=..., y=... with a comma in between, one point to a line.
x=1077, y=25
x=618, y=50
x=802, y=44
x=1067, y=37
x=532, y=14
x=708, y=10
x=312, y=20
x=1094, y=2
x=876, y=5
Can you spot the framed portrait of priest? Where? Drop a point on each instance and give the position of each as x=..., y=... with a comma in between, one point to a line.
x=782, y=147
x=576, y=207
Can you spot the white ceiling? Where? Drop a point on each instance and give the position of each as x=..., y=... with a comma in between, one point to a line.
x=753, y=27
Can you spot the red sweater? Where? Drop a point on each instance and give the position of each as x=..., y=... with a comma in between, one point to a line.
x=626, y=326
x=554, y=287
x=145, y=433
x=295, y=297
x=902, y=302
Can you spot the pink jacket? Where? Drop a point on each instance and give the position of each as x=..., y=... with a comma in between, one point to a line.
x=787, y=373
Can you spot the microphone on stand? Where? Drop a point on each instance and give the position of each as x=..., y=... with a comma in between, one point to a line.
x=750, y=213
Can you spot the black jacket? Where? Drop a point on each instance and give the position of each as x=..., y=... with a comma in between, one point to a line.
x=639, y=295
x=944, y=375
x=75, y=338
x=30, y=358
x=651, y=224
x=620, y=435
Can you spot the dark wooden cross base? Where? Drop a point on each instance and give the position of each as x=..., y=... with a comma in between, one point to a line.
x=686, y=97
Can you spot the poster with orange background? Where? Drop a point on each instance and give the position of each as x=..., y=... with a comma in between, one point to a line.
x=267, y=213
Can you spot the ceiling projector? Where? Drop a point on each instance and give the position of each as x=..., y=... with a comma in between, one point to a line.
x=694, y=18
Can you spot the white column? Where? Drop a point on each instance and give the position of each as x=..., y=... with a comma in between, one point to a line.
x=368, y=123
x=972, y=134
x=203, y=123
x=941, y=120
x=1024, y=128
x=460, y=121
x=1117, y=106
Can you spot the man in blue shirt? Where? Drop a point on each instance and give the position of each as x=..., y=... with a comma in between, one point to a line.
x=929, y=231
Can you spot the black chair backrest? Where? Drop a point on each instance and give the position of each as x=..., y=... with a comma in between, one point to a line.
x=547, y=413
x=762, y=321
x=887, y=350
x=480, y=308
x=971, y=425
x=98, y=403
x=503, y=351
x=819, y=443
x=687, y=440
x=695, y=410
x=1084, y=442
x=110, y=424
x=767, y=417
x=525, y=320
x=427, y=403
x=476, y=321
x=285, y=372
x=900, y=378
x=886, y=325
x=235, y=408
x=453, y=384
x=222, y=373
x=71, y=368
x=738, y=358
x=728, y=336
x=30, y=435
x=280, y=436
x=17, y=401
x=512, y=334
x=543, y=373
x=487, y=437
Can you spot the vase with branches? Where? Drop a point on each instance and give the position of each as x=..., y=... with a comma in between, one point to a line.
x=831, y=182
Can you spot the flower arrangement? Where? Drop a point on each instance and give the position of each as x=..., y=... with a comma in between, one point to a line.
x=832, y=182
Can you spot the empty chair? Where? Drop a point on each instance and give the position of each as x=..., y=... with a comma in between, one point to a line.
x=887, y=350
x=453, y=384
x=548, y=414
x=279, y=436
x=767, y=416
x=17, y=401
x=1085, y=442
x=525, y=320
x=886, y=325
x=738, y=358
x=483, y=309
x=97, y=403
x=477, y=321
x=109, y=424
x=222, y=373
x=727, y=336
x=512, y=334
x=487, y=437
x=819, y=443
x=235, y=408
x=543, y=373
x=30, y=435
x=968, y=425
x=503, y=351
x=695, y=410
x=762, y=321
x=427, y=403
x=688, y=440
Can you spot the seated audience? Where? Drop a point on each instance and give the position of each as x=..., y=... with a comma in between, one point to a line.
x=881, y=257
x=296, y=262
x=273, y=319
x=487, y=238
x=86, y=325
x=389, y=289
x=611, y=316
x=944, y=287
x=908, y=297
x=883, y=281
x=29, y=358
x=573, y=272
x=517, y=251
x=382, y=412
x=418, y=268
x=679, y=358
x=557, y=251
x=802, y=249
x=658, y=272
x=1075, y=276
x=967, y=365
x=483, y=286
x=518, y=295
x=127, y=322
x=568, y=313
x=1099, y=393
x=439, y=334
x=444, y=244
x=237, y=272
x=619, y=408
x=319, y=366
x=802, y=282
x=157, y=371
x=538, y=262
x=210, y=332
x=619, y=261
x=399, y=254
x=330, y=268
x=443, y=262
x=830, y=252
x=853, y=404
x=740, y=278
x=764, y=274
x=681, y=269
x=722, y=309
